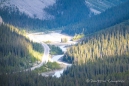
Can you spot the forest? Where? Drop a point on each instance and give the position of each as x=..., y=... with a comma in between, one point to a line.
x=110, y=17
x=69, y=11
x=16, y=51
x=21, y=20
x=101, y=55
x=64, y=10
x=75, y=18
x=54, y=50
x=101, y=58
x=113, y=41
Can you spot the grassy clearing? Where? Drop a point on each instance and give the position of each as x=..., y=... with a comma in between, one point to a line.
x=48, y=67
x=77, y=37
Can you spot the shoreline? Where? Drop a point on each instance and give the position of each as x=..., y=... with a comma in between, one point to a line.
x=55, y=38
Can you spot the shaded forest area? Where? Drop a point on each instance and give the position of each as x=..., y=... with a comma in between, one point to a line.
x=110, y=17
x=21, y=20
x=75, y=76
x=64, y=11
x=72, y=17
x=68, y=12
x=16, y=51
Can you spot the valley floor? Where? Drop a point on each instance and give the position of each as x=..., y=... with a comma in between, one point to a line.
x=54, y=38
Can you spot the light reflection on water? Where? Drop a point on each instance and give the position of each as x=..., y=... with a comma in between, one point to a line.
x=58, y=73
x=57, y=59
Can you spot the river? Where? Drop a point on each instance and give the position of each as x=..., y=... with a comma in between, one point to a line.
x=57, y=58
x=55, y=38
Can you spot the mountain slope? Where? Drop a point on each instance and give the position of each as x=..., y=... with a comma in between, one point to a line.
x=48, y=14
x=69, y=11
x=101, y=57
x=32, y=8
x=110, y=42
x=70, y=14
x=35, y=9
x=99, y=6
x=16, y=51
x=105, y=71
x=106, y=19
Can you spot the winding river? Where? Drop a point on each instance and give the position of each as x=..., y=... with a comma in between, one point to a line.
x=57, y=59
x=55, y=38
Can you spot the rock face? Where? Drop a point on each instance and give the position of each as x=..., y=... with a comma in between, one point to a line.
x=32, y=8
x=1, y=20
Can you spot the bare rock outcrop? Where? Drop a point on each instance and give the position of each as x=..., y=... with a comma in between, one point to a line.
x=1, y=20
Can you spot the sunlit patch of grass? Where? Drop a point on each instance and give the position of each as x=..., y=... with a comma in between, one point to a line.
x=48, y=67
x=37, y=55
x=77, y=37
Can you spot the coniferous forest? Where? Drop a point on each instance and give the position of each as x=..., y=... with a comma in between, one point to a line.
x=101, y=58
x=113, y=41
x=101, y=55
x=110, y=17
x=62, y=10
x=16, y=51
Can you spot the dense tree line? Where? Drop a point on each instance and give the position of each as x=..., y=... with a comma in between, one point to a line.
x=55, y=50
x=104, y=20
x=14, y=17
x=113, y=41
x=83, y=75
x=16, y=51
x=62, y=10
x=68, y=11
x=37, y=47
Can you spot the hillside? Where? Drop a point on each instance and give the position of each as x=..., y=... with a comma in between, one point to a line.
x=110, y=42
x=43, y=14
x=16, y=51
x=36, y=9
x=106, y=62
x=69, y=11
x=104, y=20
x=100, y=58
x=99, y=6
x=33, y=9
x=21, y=20
x=14, y=16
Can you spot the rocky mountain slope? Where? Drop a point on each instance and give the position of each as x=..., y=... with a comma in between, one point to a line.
x=33, y=8
x=36, y=8
x=98, y=6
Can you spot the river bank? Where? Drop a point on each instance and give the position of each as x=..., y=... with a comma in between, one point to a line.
x=55, y=39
